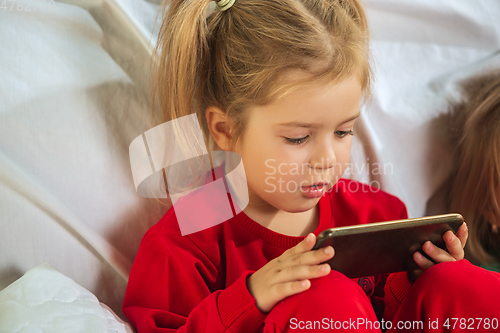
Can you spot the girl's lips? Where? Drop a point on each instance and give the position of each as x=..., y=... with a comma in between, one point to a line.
x=316, y=184
x=314, y=191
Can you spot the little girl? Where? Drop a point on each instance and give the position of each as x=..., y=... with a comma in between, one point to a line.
x=279, y=82
x=473, y=188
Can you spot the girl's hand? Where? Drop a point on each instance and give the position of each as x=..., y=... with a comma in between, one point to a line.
x=289, y=273
x=454, y=251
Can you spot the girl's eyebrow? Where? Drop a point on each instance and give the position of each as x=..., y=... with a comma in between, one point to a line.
x=311, y=125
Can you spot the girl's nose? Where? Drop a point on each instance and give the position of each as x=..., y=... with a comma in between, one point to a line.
x=324, y=157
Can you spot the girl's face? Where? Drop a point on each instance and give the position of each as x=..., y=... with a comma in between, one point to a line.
x=297, y=141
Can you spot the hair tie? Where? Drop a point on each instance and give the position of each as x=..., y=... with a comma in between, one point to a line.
x=222, y=5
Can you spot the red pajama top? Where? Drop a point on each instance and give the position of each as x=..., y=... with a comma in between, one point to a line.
x=197, y=282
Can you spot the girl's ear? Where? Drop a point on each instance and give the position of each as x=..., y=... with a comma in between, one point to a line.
x=219, y=125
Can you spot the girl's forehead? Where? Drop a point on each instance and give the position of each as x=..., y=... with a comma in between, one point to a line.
x=312, y=105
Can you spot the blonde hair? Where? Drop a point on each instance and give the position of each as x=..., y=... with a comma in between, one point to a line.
x=241, y=57
x=475, y=179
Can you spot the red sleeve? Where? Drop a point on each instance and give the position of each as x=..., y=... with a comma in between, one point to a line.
x=395, y=290
x=169, y=290
x=391, y=289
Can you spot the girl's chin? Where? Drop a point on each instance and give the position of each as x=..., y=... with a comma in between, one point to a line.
x=295, y=202
x=292, y=202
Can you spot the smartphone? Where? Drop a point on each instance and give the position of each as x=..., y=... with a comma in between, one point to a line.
x=384, y=247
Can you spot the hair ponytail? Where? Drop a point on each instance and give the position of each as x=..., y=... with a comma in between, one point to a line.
x=176, y=63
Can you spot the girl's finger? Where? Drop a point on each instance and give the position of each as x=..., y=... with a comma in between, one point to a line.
x=422, y=261
x=282, y=290
x=453, y=245
x=305, y=245
x=437, y=254
x=463, y=234
x=298, y=273
x=308, y=258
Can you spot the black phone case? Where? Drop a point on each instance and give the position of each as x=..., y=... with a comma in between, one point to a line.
x=384, y=247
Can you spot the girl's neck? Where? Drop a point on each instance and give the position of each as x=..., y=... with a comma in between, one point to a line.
x=291, y=224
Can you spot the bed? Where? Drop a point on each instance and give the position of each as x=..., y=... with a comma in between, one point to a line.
x=74, y=94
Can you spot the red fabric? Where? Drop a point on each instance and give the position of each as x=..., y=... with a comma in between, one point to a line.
x=197, y=282
x=452, y=296
x=323, y=308
x=448, y=297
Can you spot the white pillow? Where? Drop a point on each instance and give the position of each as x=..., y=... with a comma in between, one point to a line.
x=45, y=300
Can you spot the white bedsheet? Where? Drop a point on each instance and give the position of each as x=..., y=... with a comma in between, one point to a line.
x=422, y=49
x=72, y=98
x=74, y=94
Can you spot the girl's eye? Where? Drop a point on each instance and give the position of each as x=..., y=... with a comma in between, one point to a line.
x=342, y=134
x=297, y=141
